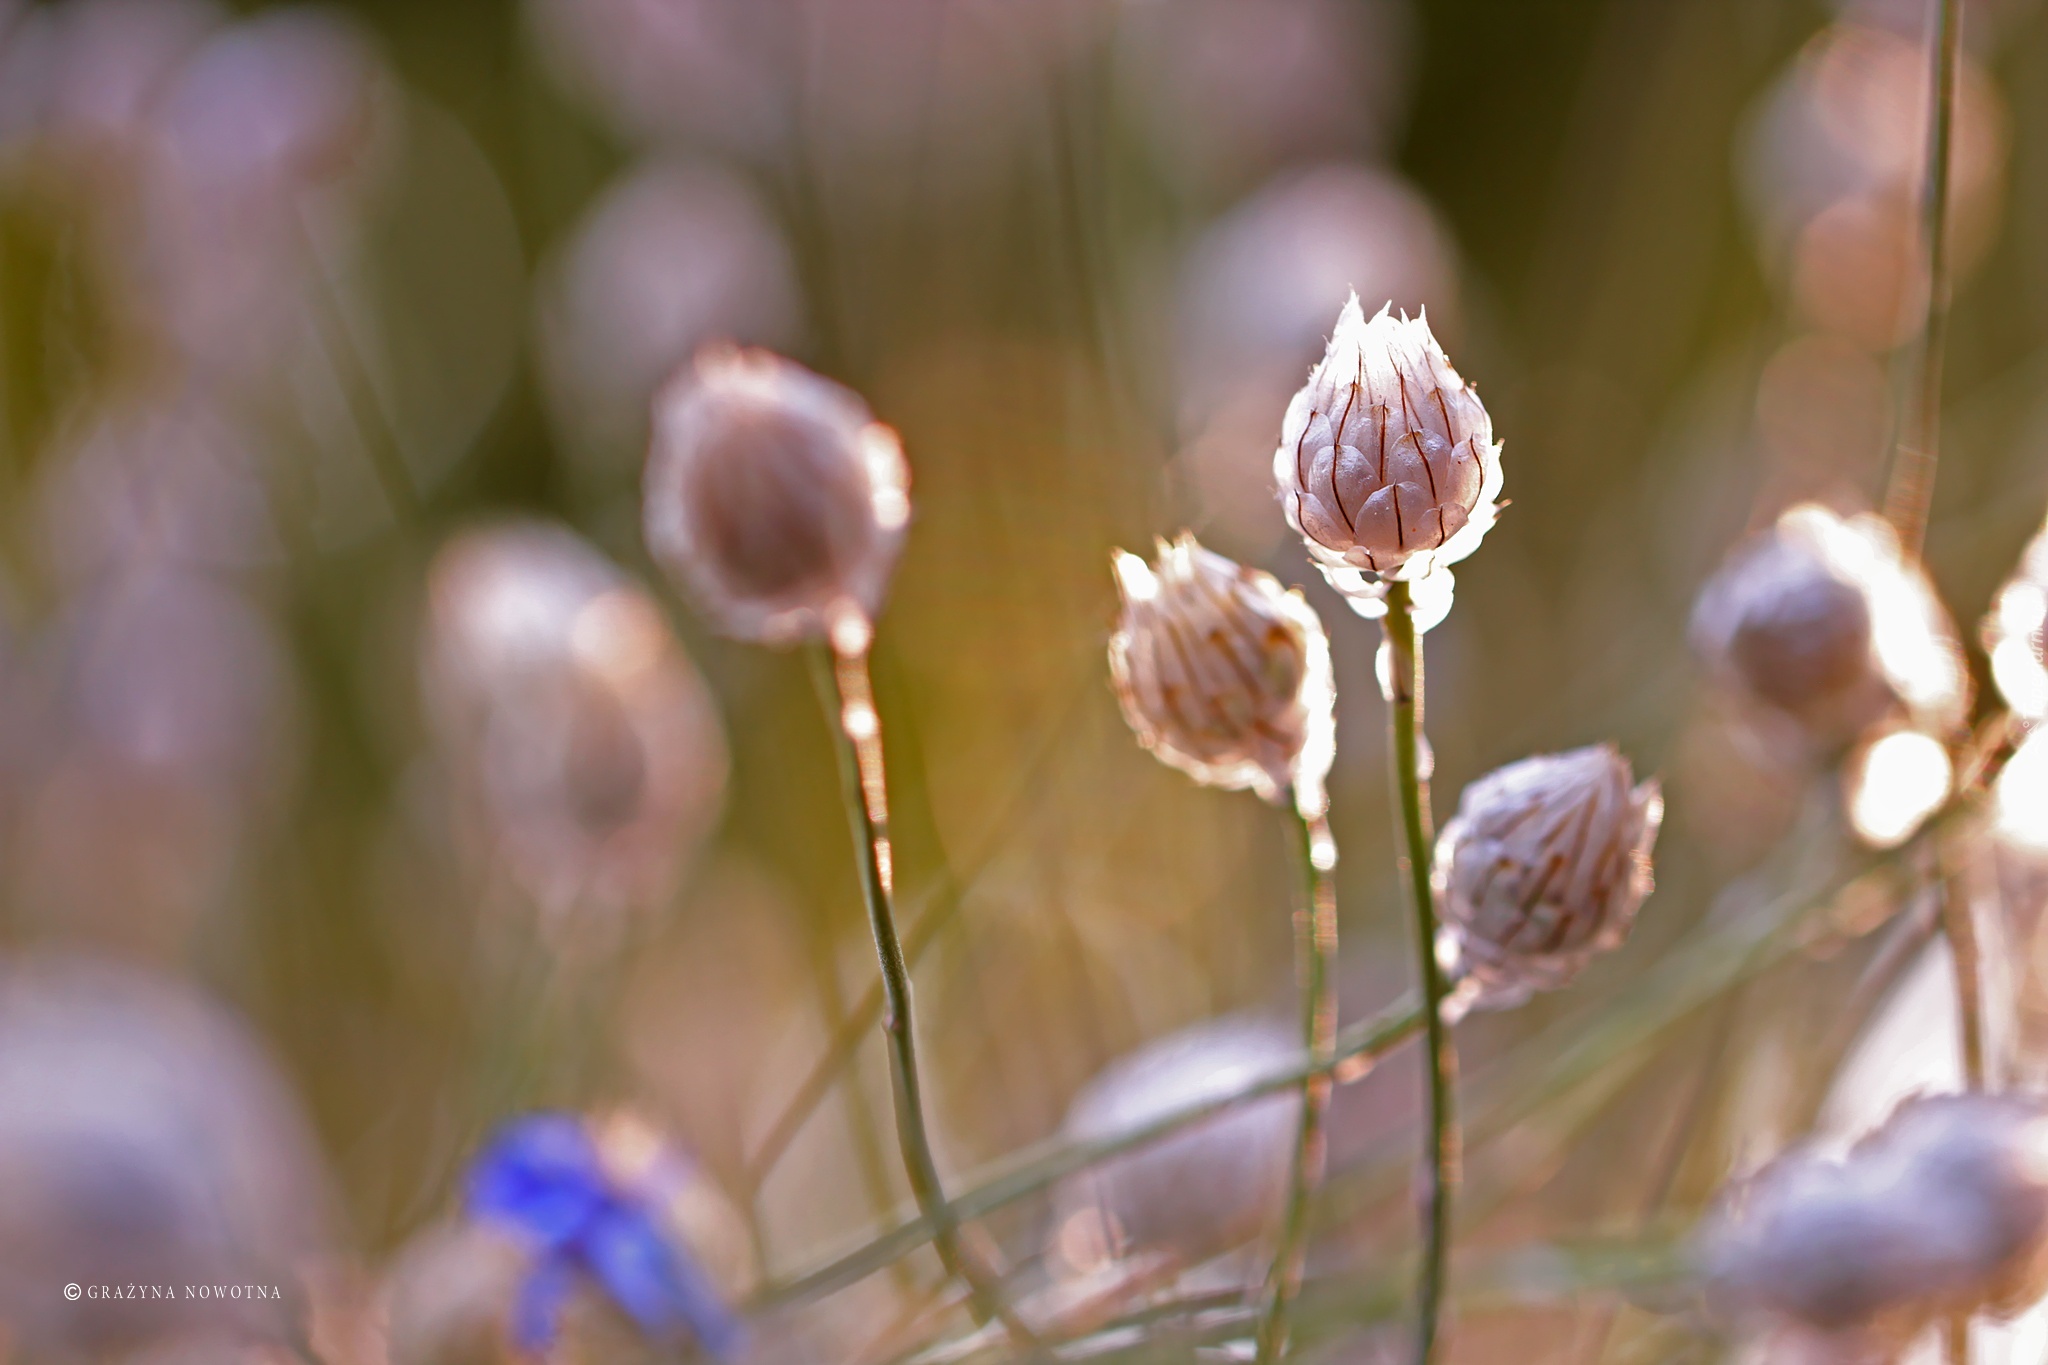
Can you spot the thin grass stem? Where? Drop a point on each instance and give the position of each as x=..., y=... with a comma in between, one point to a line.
x=1411, y=791
x=858, y=736
x=1316, y=954
x=1039, y=1167
x=1916, y=447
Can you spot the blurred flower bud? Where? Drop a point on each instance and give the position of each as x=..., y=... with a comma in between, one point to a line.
x=579, y=731
x=1542, y=868
x=2016, y=634
x=1201, y=1191
x=144, y=1139
x=1224, y=674
x=775, y=496
x=1820, y=621
x=1943, y=1209
x=1387, y=464
x=671, y=258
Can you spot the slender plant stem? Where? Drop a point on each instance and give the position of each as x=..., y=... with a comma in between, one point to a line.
x=1411, y=791
x=1958, y=922
x=936, y=909
x=1316, y=953
x=1038, y=1167
x=1916, y=448
x=858, y=729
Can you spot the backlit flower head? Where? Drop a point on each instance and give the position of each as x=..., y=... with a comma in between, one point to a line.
x=2016, y=634
x=1387, y=464
x=1821, y=620
x=1542, y=868
x=775, y=498
x=1223, y=673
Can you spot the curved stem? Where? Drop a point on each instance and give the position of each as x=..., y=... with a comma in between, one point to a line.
x=858, y=731
x=1316, y=953
x=1916, y=446
x=1411, y=791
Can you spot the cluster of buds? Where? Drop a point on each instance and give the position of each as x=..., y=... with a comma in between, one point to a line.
x=775, y=498
x=1224, y=674
x=1542, y=868
x=1387, y=464
x=1204, y=1189
x=1942, y=1210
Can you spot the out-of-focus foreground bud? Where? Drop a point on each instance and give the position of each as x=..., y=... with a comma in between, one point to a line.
x=144, y=1140
x=1943, y=1209
x=580, y=736
x=1224, y=674
x=2016, y=634
x=1387, y=464
x=1542, y=868
x=1821, y=621
x=775, y=498
x=1200, y=1191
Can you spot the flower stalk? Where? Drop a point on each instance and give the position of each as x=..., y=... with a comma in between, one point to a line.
x=1315, y=958
x=1909, y=488
x=1403, y=682
x=857, y=730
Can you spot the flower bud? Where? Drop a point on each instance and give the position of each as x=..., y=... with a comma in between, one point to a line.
x=1821, y=621
x=1543, y=867
x=1201, y=1190
x=775, y=498
x=2016, y=634
x=1941, y=1210
x=1387, y=464
x=1224, y=674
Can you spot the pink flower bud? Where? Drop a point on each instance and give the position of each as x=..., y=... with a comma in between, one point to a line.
x=1542, y=868
x=775, y=498
x=1387, y=463
x=1223, y=673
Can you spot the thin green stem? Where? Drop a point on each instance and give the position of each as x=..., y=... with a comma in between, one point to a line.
x=1038, y=1167
x=1917, y=438
x=1411, y=791
x=858, y=737
x=1316, y=953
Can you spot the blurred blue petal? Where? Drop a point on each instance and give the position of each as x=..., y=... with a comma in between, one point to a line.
x=542, y=1176
x=662, y=1291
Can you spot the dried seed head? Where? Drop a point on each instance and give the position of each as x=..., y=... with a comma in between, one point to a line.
x=1387, y=463
x=1943, y=1209
x=775, y=498
x=1224, y=674
x=1202, y=1190
x=1544, y=866
x=2016, y=634
x=1820, y=619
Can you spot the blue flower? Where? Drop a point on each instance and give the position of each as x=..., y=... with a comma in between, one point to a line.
x=543, y=1177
